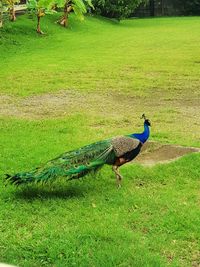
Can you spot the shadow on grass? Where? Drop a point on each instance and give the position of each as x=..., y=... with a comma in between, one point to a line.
x=53, y=192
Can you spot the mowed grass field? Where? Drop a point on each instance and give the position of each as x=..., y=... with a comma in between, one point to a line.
x=92, y=81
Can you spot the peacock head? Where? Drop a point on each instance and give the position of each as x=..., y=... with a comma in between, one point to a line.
x=146, y=121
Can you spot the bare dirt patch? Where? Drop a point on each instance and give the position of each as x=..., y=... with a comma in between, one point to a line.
x=64, y=103
x=123, y=108
x=112, y=104
x=154, y=152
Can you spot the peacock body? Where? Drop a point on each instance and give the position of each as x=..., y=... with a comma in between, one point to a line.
x=74, y=164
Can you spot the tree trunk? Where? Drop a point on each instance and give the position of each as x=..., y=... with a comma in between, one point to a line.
x=40, y=13
x=64, y=20
x=38, y=25
x=12, y=13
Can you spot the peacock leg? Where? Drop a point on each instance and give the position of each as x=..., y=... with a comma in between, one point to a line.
x=118, y=175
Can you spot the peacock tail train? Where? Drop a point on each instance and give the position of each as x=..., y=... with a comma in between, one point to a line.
x=73, y=164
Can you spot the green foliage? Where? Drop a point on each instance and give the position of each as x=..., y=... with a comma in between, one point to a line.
x=10, y=3
x=5, y=7
x=116, y=8
x=1, y=13
x=44, y=5
x=40, y=8
x=78, y=6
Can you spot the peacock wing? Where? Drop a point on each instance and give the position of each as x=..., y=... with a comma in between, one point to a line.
x=124, y=144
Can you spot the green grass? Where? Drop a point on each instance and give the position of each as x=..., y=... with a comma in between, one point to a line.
x=154, y=63
x=144, y=55
x=153, y=220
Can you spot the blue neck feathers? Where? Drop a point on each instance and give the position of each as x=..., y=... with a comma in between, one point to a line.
x=142, y=136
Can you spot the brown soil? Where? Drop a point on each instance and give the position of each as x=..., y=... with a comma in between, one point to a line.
x=106, y=104
x=154, y=152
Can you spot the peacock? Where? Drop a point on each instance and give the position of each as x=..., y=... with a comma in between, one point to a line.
x=74, y=164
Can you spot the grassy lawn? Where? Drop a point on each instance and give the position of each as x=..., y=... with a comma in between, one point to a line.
x=74, y=86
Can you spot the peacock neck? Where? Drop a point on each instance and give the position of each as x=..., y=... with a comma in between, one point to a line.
x=142, y=136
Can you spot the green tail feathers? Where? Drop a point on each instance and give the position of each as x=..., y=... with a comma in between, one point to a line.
x=51, y=173
x=73, y=164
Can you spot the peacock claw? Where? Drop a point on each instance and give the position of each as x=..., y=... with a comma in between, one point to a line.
x=119, y=179
x=119, y=186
